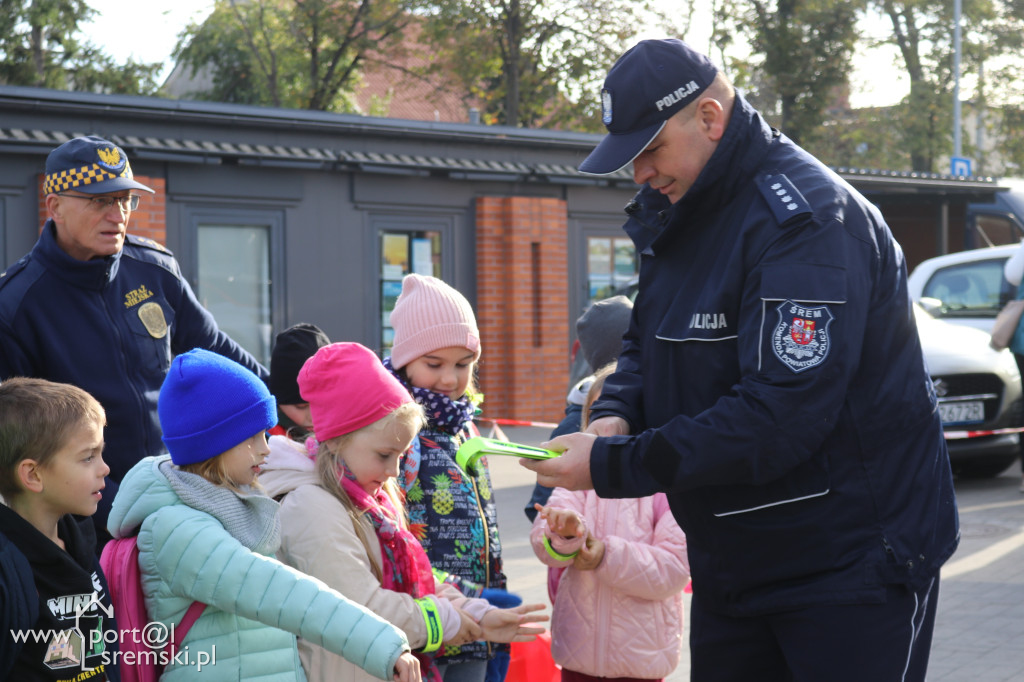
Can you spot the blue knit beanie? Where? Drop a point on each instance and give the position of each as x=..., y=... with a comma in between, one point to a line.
x=209, y=404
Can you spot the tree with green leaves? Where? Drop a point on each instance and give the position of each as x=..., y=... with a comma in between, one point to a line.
x=804, y=49
x=991, y=61
x=531, y=62
x=303, y=54
x=922, y=30
x=41, y=45
x=923, y=33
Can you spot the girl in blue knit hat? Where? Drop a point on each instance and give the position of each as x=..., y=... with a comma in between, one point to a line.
x=207, y=533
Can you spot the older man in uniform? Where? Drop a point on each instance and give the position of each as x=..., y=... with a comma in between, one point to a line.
x=93, y=306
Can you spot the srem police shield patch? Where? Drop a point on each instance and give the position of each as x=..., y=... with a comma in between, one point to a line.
x=800, y=339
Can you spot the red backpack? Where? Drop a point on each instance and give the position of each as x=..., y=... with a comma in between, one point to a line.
x=139, y=663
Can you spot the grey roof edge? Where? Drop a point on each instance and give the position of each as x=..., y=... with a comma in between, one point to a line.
x=142, y=107
x=918, y=177
x=209, y=152
x=205, y=151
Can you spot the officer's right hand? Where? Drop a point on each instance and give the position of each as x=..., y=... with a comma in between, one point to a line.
x=571, y=469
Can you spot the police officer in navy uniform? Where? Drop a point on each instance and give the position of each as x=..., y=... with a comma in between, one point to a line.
x=772, y=383
x=93, y=306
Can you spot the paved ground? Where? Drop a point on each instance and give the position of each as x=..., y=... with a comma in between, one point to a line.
x=979, y=634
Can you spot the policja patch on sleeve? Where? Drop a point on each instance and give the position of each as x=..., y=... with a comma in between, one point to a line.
x=801, y=337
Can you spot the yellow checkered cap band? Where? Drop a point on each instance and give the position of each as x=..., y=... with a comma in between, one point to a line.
x=80, y=177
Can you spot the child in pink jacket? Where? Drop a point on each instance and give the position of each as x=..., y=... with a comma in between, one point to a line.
x=618, y=608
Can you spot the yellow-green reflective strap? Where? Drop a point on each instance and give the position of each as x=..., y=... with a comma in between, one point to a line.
x=432, y=619
x=555, y=554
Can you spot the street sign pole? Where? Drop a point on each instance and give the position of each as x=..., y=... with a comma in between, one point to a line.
x=957, y=142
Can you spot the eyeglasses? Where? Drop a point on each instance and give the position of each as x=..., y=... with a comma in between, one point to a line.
x=128, y=203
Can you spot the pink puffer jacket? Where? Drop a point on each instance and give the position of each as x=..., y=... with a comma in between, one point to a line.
x=625, y=618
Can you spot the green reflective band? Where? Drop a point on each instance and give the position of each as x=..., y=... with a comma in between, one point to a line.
x=432, y=618
x=556, y=555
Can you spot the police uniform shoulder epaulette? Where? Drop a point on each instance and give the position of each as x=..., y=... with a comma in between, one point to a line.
x=784, y=200
x=148, y=243
x=8, y=274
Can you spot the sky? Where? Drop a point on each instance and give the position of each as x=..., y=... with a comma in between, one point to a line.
x=149, y=30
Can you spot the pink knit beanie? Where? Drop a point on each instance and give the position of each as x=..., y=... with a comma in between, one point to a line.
x=430, y=315
x=347, y=387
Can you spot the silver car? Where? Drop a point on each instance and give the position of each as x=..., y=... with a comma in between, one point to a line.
x=979, y=393
x=966, y=287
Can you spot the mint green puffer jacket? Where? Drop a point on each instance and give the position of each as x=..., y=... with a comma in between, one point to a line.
x=255, y=604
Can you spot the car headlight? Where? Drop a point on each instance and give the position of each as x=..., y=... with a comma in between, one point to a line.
x=1007, y=363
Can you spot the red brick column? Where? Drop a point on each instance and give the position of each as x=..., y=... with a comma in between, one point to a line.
x=149, y=221
x=523, y=306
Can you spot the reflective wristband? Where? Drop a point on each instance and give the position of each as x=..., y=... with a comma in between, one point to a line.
x=432, y=619
x=555, y=554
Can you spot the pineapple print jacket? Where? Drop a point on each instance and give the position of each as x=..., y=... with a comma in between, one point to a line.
x=454, y=516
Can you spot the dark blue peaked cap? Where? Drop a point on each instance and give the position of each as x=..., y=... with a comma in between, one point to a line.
x=90, y=165
x=647, y=85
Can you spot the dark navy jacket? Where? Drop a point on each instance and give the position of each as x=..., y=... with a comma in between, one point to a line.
x=775, y=386
x=70, y=593
x=110, y=326
x=19, y=606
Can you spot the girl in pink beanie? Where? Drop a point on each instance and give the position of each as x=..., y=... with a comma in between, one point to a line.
x=434, y=355
x=344, y=522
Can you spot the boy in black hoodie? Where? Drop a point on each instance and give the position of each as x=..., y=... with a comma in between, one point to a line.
x=51, y=475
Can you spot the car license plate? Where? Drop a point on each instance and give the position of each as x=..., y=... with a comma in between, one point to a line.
x=969, y=411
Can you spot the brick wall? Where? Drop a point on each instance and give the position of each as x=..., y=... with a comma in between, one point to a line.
x=523, y=306
x=150, y=220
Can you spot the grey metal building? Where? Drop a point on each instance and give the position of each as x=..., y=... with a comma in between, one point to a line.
x=280, y=216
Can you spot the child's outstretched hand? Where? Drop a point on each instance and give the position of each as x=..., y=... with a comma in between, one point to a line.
x=407, y=669
x=564, y=522
x=590, y=556
x=512, y=625
x=469, y=631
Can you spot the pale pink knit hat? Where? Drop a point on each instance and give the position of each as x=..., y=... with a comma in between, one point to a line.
x=430, y=315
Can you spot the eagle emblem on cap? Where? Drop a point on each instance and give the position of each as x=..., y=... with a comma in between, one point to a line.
x=110, y=158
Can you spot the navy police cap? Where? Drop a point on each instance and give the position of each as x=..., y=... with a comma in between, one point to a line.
x=647, y=85
x=90, y=165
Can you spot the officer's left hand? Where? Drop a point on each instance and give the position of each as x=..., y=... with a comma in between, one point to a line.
x=571, y=469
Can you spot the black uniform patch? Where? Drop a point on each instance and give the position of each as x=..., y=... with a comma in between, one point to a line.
x=784, y=200
x=801, y=338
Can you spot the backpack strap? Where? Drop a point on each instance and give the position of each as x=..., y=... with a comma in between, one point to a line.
x=188, y=620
